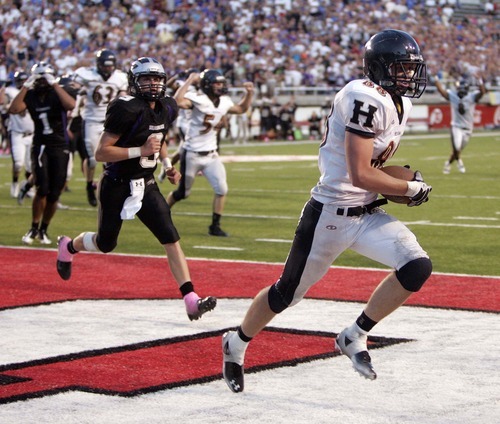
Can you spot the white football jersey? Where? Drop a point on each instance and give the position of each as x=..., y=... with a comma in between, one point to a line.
x=463, y=120
x=364, y=108
x=19, y=122
x=184, y=115
x=99, y=93
x=201, y=135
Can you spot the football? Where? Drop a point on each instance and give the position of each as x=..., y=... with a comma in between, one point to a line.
x=401, y=173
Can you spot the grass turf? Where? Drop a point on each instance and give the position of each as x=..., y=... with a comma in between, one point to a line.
x=459, y=226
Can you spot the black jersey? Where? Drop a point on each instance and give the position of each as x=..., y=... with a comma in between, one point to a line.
x=50, y=118
x=134, y=121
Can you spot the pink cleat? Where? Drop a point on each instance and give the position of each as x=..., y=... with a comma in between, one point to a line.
x=196, y=306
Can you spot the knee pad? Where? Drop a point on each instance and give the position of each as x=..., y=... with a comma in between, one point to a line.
x=414, y=274
x=275, y=300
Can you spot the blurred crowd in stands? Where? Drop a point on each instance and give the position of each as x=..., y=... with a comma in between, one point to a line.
x=270, y=42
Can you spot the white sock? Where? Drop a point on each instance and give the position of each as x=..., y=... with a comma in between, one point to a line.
x=237, y=347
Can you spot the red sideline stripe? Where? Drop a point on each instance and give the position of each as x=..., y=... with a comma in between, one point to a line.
x=29, y=277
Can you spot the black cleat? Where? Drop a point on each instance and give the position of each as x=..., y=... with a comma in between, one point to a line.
x=215, y=230
x=91, y=196
x=233, y=372
x=64, y=258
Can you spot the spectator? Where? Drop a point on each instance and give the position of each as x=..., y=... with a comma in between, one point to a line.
x=287, y=120
x=314, y=126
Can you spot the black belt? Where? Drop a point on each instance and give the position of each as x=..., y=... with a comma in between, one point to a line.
x=361, y=210
x=354, y=211
x=205, y=153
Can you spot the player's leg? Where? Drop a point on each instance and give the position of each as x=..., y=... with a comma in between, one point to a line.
x=215, y=173
x=154, y=205
x=387, y=241
x=40, y=177
x=112, y=195
x=57, y=167
x=17, y=152
x=92, y=134
x=313, y=250
x=455, y=138
x=190, y=165
x=463, y=140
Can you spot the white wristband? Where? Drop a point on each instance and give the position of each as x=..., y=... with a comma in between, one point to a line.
x=413, y=188
x=167, y=164
x=134, y=152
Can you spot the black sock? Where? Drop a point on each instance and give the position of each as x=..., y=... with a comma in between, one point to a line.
x=90, y=185
x=186, y=288
x=71, y=248
x=34, y=226
x=365, y=323
x=216, y=219
x=43, y=227
x=243, y=336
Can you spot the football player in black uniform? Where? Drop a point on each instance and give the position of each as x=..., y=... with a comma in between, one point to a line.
x=48, y=103
x=134, y=135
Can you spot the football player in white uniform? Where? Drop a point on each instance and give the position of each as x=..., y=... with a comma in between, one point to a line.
x=183, y=118
x=100, y=85
x=463, y=104
x=208, y=106
x=363, y=131
x=20, y=129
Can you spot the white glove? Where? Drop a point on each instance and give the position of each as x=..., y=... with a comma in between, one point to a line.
x=31, y=81
x=49, y=78
x=419, y=190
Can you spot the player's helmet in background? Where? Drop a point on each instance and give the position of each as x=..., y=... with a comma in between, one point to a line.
x=184, y=74
x=462, y=86
x=392, y=59
x=106, y=63
x=207, y=80
x=142, y=67
x=41, y=69
x=19, y=78
x=67, y=82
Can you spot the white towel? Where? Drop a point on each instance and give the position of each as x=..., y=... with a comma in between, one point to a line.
x=133, y=203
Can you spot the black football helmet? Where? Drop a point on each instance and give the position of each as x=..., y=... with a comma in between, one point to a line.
x=184, y=74
x=19, y=78
x=41, y=69
x=106, y=63
x=463, y=87
x=208, y=78
x=392, y=59
x=67, y=82
x=142, y=67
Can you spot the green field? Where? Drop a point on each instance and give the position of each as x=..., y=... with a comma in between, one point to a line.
x=459, y=227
